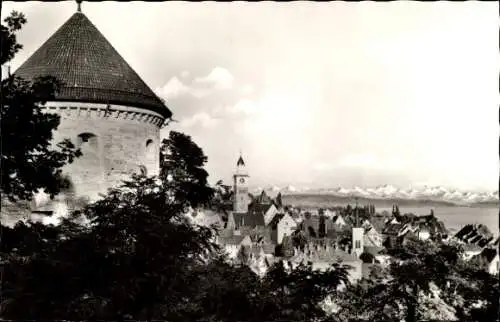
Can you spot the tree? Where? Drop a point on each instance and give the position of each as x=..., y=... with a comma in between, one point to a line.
x=296, y=294
x=29, y=159
x=299, y=240
x=136, y=259
x=279, y=202
x=222, y=198
x=425, y=279
x=243, y=256
x=224, y=293
x=182, y=161
x=10, y=46
x=322, y=226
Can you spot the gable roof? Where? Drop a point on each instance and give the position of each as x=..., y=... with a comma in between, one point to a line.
x=485, y=257
x=378, y=223
x=471, y=248
x=392, y=229
x=374, y=250
x=276, y=219
x=258, y=208
x=90, y=68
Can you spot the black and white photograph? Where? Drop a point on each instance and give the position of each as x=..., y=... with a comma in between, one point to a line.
x=265, y=161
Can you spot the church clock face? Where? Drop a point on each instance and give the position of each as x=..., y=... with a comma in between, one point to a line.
x=242, y=180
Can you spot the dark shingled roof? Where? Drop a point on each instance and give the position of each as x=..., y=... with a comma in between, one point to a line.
x=248, y=219
x=259, y=208
x=276, y=219
x=374, y=250
x=90, y=68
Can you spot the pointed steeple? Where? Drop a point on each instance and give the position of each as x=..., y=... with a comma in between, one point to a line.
x=240, y=162
x=79, y=5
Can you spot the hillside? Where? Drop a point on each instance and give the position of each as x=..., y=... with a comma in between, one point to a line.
x=324, y=200
x=387, y=195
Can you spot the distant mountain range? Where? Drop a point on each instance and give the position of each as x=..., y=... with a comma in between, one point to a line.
x=390, y=194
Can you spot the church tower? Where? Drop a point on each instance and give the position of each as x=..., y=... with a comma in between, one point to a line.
x=241, y=199
x=357, y=235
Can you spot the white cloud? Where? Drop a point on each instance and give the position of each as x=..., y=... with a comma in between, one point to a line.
x=247, y=89
x=173, y=88
x=245, y=106
x=220, y=78
x=203, y=119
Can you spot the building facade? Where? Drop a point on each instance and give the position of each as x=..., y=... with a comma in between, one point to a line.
x=240, y=184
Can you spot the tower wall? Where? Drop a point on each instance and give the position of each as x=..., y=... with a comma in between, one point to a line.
x=241, y=199
x=357, y=240
x=115, y=143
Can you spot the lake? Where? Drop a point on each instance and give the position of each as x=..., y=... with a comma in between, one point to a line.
x=456, y=217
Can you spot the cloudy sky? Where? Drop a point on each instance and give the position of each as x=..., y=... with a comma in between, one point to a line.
x=315, y=94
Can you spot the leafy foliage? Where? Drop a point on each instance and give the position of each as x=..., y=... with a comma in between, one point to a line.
x=182, y=161
x=29, y=160
x=134, y=256
x=10, y=46
x=295, y=294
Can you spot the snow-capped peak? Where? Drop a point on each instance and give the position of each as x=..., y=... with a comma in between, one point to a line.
x=436, y=193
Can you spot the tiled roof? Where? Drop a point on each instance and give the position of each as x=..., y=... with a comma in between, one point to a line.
x=90, y=68
x=268, y=248
x=374, y=250
x=485, y=257
x=259, y=208
x=392, y=229
x=248, y=219
x=276, y=219
x=378, y=223
x=470, y=233
x=471, y=247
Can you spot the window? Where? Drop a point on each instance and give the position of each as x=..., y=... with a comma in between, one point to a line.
x=87, y=139
x=358, y=244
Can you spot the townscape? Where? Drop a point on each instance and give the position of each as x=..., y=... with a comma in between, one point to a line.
x=105, y=218
x=258, y=230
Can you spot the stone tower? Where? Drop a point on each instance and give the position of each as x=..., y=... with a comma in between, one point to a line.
x=106, y=109
x=240, y=199
x=357, y=235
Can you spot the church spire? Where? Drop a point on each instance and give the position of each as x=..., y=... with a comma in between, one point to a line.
x=240, y=162
x=79, y=5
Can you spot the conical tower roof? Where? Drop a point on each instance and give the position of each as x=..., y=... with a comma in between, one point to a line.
x=240, y=162
x=90, y=68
